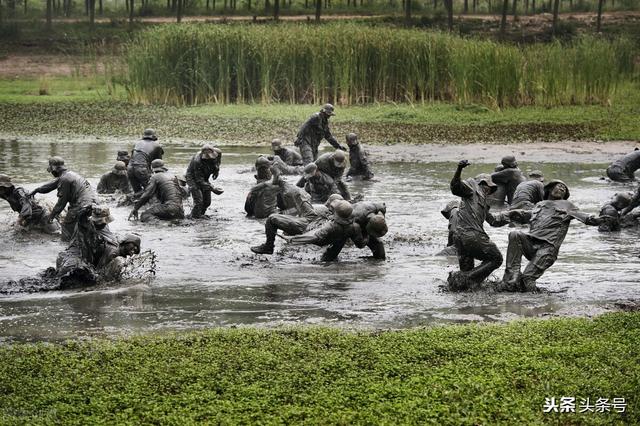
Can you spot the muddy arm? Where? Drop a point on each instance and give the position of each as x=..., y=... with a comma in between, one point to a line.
x=146, y=195
x=64, y=194
x=458, y=187
x=47, y=187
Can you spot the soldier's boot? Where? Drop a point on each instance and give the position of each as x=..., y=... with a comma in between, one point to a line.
x=270, y=229
x=263, y=249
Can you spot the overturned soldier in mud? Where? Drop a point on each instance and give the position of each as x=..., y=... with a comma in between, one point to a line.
x=370, y=216
x=318, y=184
x=166, y=187
x=358, y=161
x=262, y=199
x=31, y=215
x=143, y=153
x=529, y=192
x=629, y=217
x=471, y=240
x=288, y=155
x=203, y=166
x=115, y=180
x=624, y=168
x=334, y=164
x=611, y=213
x=450, y=212
x=73, y=190
x=313, y=131
x=507, y=179
x=95, y=253
x=548, y=225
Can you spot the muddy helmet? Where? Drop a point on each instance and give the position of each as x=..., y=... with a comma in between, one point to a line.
x=621, y=200
x=276, y=144
x=157, y=165
x=120, y=168
x=446, y=211
x=208, y=152
x=509, y=161
x=339, y=159
x=333, y=198
x=55, y=163
x=343, y=209
x=549, y=187
x=122, y=156
x=149, y=134
x=485, y=179
x=5, y=181
x=377, y=226
x=328, y=109
x=352, y=139
x=310, y=170
x=131, y=239
x=100, y=215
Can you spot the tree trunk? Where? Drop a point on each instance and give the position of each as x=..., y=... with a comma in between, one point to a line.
x=101, y=8
x=276, y=10
x=86, y=7
x=318, y=9
x=465, y=10
x=1, y=16
x=503, y=21
x=599, y=21
x=435, y=4
x=556, y=6
x=407, y=12
x=92, y=14
x=179, y=11
x=533, y=7
x=514, y=8
x=131, y=4
x=49, y=13
x=25, y=7
x=449, y=5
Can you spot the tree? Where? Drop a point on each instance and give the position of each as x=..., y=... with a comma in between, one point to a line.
x=49, y=13
x=318, y=9
x=407, y=12
x=130, y=12
x=556, y=6
x=449, y=5
x=179, y=11
x=599, y=21
x=503, y=21
x=92, y=13
x=276, y=10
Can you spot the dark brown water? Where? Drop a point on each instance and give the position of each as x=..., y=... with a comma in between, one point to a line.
x=208, y=277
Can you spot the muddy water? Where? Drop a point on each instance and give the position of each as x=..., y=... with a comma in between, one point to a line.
x=208, y=277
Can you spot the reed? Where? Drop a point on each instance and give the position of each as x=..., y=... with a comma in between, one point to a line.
x=352, y=64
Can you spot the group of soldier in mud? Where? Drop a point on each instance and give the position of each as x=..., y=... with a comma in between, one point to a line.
x=318, y=209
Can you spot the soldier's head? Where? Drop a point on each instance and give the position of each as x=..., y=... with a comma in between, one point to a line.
x=5, y=184
x=119, y=168
x=377, y=226
x=129, y=245
x=208, y=152
x=182, y=180
x=157, y=166
x=485, y=182
x=536, y=175
x=100, y=216
x=276, y=145
x=343, y=209
x=328, y=110
x=556, y=190
x=352, y=139
x=149, y=134
x=263, y=168
x=339, y=159
x=310, y=171
x=333, y=198
x=509, y=162
x=621, y=200
x=56, y=166
x=124, y=157
x=451, y=206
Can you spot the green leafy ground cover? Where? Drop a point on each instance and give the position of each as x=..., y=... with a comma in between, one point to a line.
x=470, y=374
x=94, y=106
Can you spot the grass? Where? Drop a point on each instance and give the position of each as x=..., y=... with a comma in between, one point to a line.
x=82, y=106
x=471, y=374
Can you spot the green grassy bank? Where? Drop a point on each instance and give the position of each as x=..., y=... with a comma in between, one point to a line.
x=472, y=374
x=94, y=106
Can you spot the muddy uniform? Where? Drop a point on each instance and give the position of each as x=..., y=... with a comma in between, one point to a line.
x=623, y=169
x=326, y=165
x=320, y=187
x=30, y=213
x=112, y=182
x=611, y=213
x=359, y=164
x=74, y=190
x=139, y=168
x=262, y=199
x=166, y=187
x=284, y=168
x=289, y=156
x=450, y=212
x=362, y=212
x=197, y=175
x=471, y=240
x=549, y=222
x=311, y=134
x=527, y=194
x=509, y=178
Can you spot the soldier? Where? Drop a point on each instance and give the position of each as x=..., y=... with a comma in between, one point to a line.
x=144, y=152
x=31, y=215
x=450, y=212
x=472, y=242
x=624, y=168
x=73, y=189
x=530, y=192
x=204, y=165
x=318, y=184
x=549, y=222
x=283, y=168
x=509, y=177
x=262, y=199
x=359, y=164
x=313, y=131
x=371, y=219
x=166, y=188
x=334, y=164
x=115, y=180
x=124, y=157
x=288, y=155
x=610, y=212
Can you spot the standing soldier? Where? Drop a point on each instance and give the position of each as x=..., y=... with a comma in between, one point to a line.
x=115, y=180
x=203, y=165
x=166, y=187
x=73, y=189
x=313, y=131
x=288, y=155
x=144, y=152
x=358, y=159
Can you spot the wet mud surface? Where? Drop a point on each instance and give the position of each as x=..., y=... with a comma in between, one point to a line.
x=207, y=276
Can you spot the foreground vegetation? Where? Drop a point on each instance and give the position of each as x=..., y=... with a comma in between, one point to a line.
x=473, y=374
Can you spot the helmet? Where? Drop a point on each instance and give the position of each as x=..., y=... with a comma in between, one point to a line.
x=485, y=179
x=262, y=161
x=339, y=159
x=55, y=163
x=332, y=199
x=549, y=187
x=158, y=166
x=377, y=226
x=101, y=215
x=328, y=109
x=621, y=200
x=310, y=170
x=352, y=139
x=343, y=209
x=122, y=155
x=446, y=211
x=509, y=161
x=276, y=144
x=149, y=134
x=5, y=181
x=537, y=174
x=131, y=239
x=209, y=152
x=120, y=168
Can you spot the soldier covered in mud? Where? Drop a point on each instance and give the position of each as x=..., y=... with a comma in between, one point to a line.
x=358, y=161
x=143, y=153
x=115, y=180
x=471, y=240
x=626, y=212
x=95, y=252
x=318, y=184
x=166, y=188
x=549, y=222
x=313, y=131
x=334, y=164
x=370, y=216
x=31, y=215
x=262, y=199
x=611, y=212
x=450, y=212
x=530, y=192
x=124, y=157
x=73, y=190
x=289, y=156
x=203, y=166
x=624, y=168
x=509, y=177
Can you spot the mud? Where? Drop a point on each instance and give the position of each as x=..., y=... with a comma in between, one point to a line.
x=206, y=276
